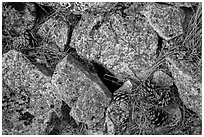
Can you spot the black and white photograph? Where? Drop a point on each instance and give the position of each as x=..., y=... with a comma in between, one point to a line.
x=101, y=68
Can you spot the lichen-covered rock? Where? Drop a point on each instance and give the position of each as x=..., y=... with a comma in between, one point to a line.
x=189, y=86
x=28, y=95
x=87, y=99
x=124, y=46
x=165, y=20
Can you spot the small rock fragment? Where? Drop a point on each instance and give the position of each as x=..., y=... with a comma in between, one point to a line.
x=162, y=79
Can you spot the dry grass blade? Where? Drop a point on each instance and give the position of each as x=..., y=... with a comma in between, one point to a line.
x=193, y=39
x=193, y=31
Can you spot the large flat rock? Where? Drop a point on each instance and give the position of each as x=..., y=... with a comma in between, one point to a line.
x=124, y=46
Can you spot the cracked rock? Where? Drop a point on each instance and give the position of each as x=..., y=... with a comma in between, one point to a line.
x=124, y=46
x=87, y=99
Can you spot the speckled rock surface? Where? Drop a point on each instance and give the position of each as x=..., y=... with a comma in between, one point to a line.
x=27, y=95
x=90, y=106
x=166, y=20
x=71, y=82
x=183, y=4
x=14, y=76
x=101, y=68
x=83, y=7
x=189, y=85
x=54, y=31
x=86, y=98
x=124, y=46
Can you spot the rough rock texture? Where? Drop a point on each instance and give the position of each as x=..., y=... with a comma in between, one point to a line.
x=166, y=20
x=27, y=94
x=189, y=84
x=183, y=4
x=125, y=46
x=54, y=31
x=71, y=81
x=14, y=76
x=90, y=106
x=83, y=7
x=87, y=99
x=64, y=67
